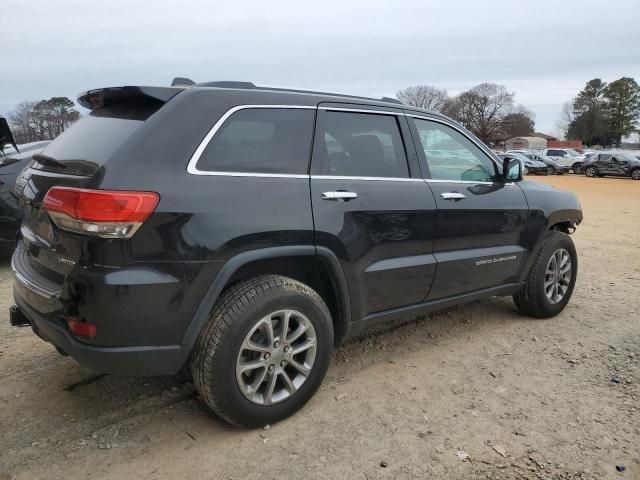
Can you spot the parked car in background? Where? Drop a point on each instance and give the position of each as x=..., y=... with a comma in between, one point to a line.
x=615, y=164
x=530, y=167
x=553, y=167
x=566, y=157
x=13, y=158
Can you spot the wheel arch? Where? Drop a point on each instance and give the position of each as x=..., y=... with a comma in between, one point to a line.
x=305, y=263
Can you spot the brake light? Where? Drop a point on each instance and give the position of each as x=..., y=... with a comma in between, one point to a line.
x=104, y=213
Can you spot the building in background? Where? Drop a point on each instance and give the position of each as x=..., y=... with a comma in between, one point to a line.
x=529, y=143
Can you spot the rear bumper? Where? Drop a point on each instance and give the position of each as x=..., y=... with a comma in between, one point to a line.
x=142, y=360
x=139, y=332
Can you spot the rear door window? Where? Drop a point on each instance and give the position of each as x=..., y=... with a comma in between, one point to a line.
x=261, y=140
x=359, y=145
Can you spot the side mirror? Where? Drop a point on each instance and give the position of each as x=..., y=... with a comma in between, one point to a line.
x=512, y=170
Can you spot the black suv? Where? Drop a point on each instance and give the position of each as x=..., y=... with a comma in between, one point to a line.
x=243, y=232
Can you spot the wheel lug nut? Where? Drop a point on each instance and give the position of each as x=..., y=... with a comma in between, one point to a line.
x=287, y=349
x=271, y=367
x=276, y=344
x=267, y=356
x=283, y=363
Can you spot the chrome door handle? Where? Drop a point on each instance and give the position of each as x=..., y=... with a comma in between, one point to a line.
x=339, y=195
x=452, y=196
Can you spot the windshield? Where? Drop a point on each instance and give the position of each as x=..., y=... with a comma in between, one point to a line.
x=572, y=152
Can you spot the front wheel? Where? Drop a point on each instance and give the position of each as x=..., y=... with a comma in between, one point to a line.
x=635, y=174
x=264, y=352
x=526, y=171
x=550, y=171
x=591, y=172
x=552, y=276
x=577, y=169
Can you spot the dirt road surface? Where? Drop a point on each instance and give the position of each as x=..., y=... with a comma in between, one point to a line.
x=472, y=392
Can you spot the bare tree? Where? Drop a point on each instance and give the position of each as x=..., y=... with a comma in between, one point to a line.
x=423, y=96
x=567, y=116
x=482, y=109
x=43, y=120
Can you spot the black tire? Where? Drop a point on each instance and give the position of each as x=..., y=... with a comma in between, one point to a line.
x=577, y=168
x=635, y=174
x=591, y=172
x=532, y=299
x=236, y=313
x=550, y=171
x=525, y=171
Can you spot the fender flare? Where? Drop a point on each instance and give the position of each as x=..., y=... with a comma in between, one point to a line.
x=233, y=264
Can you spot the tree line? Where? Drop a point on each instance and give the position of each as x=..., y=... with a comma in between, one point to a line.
x=42, y=120
x=488, y=110
x=603, y=113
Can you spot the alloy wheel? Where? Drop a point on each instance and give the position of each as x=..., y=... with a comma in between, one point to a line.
x=276, y=357
x=557, y=276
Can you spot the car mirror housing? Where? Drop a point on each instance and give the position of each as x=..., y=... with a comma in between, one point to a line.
x=512, y=170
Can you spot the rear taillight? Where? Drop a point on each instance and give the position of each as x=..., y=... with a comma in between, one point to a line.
x=104, y=213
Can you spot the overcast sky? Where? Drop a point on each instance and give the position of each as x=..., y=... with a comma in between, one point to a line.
x=543, y=50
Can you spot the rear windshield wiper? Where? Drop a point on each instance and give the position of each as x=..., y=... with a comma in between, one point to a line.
x=47, y=160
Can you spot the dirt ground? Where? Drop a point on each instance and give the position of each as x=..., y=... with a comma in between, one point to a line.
x=472, y=392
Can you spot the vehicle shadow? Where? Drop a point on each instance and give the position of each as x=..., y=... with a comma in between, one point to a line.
x=79, y=402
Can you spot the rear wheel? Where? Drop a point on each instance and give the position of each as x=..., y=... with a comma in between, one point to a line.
x=264, y=351
x=526, y=171
x=635, y=174
x=550, y=171
x=577, y=169
x=552, y=276
x=591, y=172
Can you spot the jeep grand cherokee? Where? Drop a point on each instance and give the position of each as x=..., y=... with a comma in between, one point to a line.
x=243, y=232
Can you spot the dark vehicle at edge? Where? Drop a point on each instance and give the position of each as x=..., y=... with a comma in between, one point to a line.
x=13, y=159
x=615, y=164
x=244, y=232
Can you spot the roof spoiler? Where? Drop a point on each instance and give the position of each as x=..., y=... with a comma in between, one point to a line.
x=104, y=97
x=6, y=137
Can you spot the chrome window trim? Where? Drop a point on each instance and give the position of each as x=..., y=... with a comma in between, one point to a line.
x=389, y=179
x=361, y=110
x=433, y=180
x=193, y=161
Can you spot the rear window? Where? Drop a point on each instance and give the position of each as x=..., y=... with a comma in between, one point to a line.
x=96, y=136
x=261, y=140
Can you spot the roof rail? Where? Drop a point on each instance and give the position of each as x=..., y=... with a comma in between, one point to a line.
x=180, y=81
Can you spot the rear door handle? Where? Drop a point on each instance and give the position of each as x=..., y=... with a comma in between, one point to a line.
x=452, y=196
x=339, y=195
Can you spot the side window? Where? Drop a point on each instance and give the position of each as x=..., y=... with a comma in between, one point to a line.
x=261, y=140
x=556, y=153
x=452, y=156
x=359, y=145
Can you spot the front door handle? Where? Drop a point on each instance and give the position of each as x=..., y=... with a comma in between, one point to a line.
x=339, y=195
x=452, y=196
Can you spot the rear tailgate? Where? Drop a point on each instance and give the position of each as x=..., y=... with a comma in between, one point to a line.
x=78, y=158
